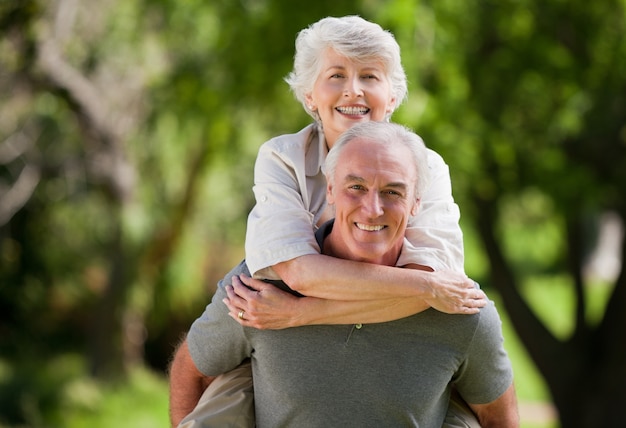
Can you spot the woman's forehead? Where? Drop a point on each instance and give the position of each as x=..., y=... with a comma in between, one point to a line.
x=332, y=58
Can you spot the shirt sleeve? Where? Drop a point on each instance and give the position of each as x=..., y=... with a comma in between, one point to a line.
x=217, y=343
x=281, y=224
x=434, y=236
x=486, y=372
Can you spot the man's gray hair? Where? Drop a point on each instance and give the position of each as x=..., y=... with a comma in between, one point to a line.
x=350, y=36
x=389, y=134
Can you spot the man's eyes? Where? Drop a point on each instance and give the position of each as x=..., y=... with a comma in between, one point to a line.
x=393, y=193
x=389, y=192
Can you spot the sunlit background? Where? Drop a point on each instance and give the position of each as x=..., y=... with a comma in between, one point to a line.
x=128, y=132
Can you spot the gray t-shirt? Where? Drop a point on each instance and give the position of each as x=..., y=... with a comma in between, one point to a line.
x=386, y=374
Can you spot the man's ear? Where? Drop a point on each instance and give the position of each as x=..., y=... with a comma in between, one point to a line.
x=330, y=198
x=416, y=207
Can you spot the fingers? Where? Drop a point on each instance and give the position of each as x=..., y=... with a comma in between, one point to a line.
x=460, y=296
x=233, y=309
x=242, y=298
x=235, y=302
x=242, y=289
x=478, y=298
x=475, y=299
x=252, y=283
x=236, y=299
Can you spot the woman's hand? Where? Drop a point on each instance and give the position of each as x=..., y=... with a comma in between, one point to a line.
x=261, y=305
x=454, y=293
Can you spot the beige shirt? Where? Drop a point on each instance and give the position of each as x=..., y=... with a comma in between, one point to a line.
x=290, y=192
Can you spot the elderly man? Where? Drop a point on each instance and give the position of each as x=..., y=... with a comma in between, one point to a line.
x=398, y=373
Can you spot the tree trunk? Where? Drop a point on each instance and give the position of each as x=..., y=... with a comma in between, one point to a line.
x=106, y=350
x=585, y=374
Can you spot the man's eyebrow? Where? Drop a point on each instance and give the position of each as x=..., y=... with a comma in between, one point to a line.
x=352, y=177
x=398, y=185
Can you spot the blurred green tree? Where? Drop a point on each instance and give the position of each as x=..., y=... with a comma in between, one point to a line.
x=128, y=132
x=527, y=102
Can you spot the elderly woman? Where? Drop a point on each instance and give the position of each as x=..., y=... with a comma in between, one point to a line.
x=346, y=70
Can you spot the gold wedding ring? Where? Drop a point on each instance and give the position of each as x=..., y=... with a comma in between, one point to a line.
x=241, y=314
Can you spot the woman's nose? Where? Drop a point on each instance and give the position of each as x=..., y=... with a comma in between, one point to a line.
x=353, y=88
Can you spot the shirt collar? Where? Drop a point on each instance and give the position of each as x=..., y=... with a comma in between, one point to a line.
x=316, y=151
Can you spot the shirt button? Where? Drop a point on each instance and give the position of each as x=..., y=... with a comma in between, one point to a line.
x=263, y=198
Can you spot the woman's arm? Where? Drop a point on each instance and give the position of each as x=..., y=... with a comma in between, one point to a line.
x=434, y=237
x=267, y=307
x=336, y=279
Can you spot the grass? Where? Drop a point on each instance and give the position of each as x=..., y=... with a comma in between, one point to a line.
x=62, y=395
x=141, y=403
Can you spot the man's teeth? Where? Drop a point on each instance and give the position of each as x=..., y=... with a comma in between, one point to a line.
x=353, y=110
x=369, y=228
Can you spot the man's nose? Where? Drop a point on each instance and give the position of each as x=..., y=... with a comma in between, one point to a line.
x=372, y=205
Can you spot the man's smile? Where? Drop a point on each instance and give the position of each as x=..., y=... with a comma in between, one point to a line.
x=370, y=228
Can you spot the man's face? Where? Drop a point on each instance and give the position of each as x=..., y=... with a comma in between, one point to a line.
x=374, y=196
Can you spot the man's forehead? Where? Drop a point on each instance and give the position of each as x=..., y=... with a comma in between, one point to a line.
x=400, y=182
x=362, y=159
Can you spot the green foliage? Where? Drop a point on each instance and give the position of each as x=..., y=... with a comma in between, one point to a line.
x=140, y=402
x=141, y=161
x=60, y=393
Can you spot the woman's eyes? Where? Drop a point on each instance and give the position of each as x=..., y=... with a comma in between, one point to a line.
x=364, y=76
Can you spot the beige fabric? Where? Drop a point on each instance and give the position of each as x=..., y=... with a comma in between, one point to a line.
x=228, y=402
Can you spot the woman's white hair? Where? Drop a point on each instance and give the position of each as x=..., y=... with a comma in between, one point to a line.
x=352, y=37
x=389, y=134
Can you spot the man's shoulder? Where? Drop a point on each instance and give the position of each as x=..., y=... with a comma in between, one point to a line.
x=240, y=269
x=489, y=316
x=462, y=327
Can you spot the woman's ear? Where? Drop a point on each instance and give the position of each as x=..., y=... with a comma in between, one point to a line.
x=391, y=106
x=309, y=102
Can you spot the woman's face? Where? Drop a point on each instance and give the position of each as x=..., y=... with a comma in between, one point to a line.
x=347, y=92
